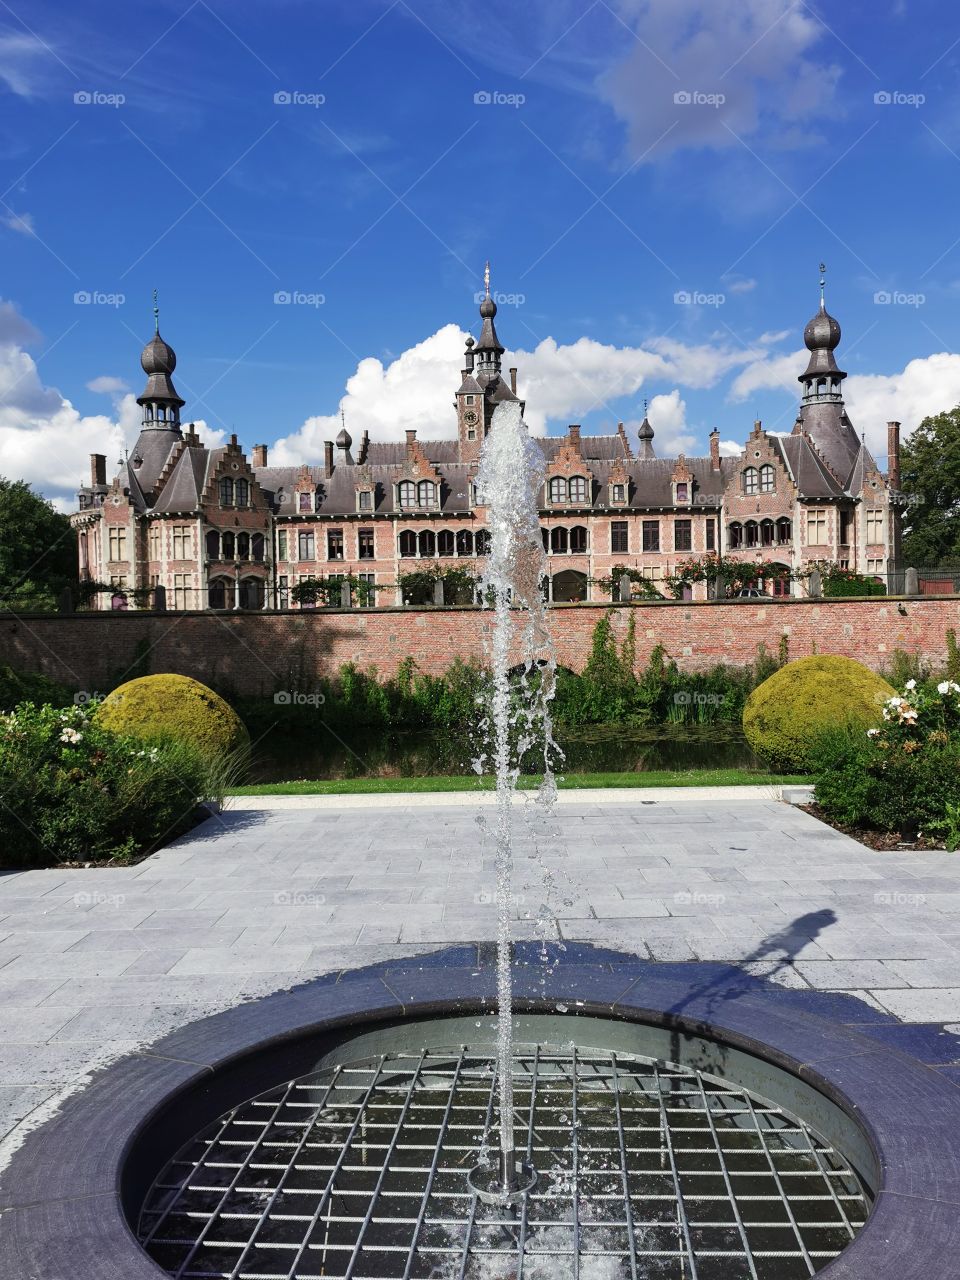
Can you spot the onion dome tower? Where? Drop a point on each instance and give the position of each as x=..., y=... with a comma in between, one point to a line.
x=645, y=436
x=822, y=415
x=488, y=351
x=159, y=400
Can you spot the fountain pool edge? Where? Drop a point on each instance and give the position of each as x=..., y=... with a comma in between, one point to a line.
x=61, y=1197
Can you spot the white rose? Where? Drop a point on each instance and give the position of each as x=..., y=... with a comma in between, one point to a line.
x=943, y=686
x=911, y=684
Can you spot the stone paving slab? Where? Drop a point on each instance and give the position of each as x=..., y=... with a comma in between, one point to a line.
x=95, y=962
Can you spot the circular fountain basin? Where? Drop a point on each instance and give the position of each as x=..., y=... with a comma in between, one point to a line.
x=757, y=1090
x=656, y=1154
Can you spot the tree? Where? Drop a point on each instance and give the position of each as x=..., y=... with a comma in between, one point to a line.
x=930, y=477
x=38, y=548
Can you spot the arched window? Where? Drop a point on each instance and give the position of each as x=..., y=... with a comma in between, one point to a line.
x=752, y=533
x=218, y=594
x=408, y=543
x=407, y=493
x=735, y=534
x=464, y=542
x=545, y=535
x=241, y=493
x=558, y=540
x=766, y=533
x=147, y=412
x=784, y=530
x=483, y=542
x=578, y=489
x=578, y=539
x=558, y=489
x=779, y=586
x=226, y=545
x=821, y=386
x=750, y=480
x=766, y=478
x=243, y=546
x=445, y=542
x=427, y=493
x=427, y=542
x=213, y=545
x=226, y=492
x=256, y=546
x=162, y=414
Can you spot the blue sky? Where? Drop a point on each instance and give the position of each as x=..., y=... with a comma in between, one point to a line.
x=596, y=189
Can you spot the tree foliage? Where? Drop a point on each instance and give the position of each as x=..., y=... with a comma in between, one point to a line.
x=930, y=477
x=38, y=549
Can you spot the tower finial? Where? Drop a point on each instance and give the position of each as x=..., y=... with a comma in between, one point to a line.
x=486, y=278
x=823, y=281
x=156, y=313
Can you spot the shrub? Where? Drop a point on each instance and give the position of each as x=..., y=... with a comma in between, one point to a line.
x=17, y=687
x=786, y=714
x=177, y=707
x=906, y=771
x=74, y=790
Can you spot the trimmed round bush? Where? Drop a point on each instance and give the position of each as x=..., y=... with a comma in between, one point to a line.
x=171, y=706
x=784, y=716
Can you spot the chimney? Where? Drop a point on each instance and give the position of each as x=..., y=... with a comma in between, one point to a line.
x=513, y=381
x=757, y=425
x=893, y=455
x=364, y=446
x=259, y=455
x=411, y=434
x=328, y=458
x=715, y=449
x=573, y=431
x=98, y=469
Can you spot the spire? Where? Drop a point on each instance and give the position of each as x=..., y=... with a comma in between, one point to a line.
x=160, y=401
x=823, y=282
x=822, y=414
x=645, y=436
x=488, y=349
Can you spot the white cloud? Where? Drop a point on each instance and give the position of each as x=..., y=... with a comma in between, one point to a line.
x=24, y=62
x=561, y=384
x=20, y=222
x=742, y=286
x=757, y=54
x=730, y=449
x=770, y=373
x=107, y=385
x=667, y=415
x=44, y=439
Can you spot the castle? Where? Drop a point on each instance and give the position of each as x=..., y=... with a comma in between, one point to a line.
x=215, y=528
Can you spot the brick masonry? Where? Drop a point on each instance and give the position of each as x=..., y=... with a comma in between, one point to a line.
x=261, y=653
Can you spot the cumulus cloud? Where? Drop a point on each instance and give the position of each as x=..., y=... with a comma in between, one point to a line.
x=560, y=382
x=926, y=386
x=107, y=385
x=752, y=61
x=44, y=439
x=667, y=414
x=742, y=286
x=730, y=449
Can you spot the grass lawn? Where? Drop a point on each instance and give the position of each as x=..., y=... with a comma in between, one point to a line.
x=372, y=786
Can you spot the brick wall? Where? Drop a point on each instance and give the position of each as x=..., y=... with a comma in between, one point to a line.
x=259, y=653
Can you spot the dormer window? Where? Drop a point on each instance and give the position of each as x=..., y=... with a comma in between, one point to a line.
x=304, y=502
x=683, y=491
x=365, y=500
x=558, y=489
x=618, y=493
x=578, y=489
x=406, y=494
x=426, y=494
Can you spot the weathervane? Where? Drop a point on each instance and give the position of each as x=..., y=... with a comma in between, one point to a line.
x=486, y=278
x=156, y=313
x=823, y=281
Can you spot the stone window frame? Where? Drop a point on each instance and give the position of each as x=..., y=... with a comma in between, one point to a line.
x=751, y=481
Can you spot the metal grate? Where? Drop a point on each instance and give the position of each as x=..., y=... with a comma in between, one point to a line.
x=645, y=1170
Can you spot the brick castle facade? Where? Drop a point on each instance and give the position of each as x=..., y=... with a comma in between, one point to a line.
x=218, y=528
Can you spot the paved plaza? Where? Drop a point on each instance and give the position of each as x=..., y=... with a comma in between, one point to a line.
x=97, y=963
